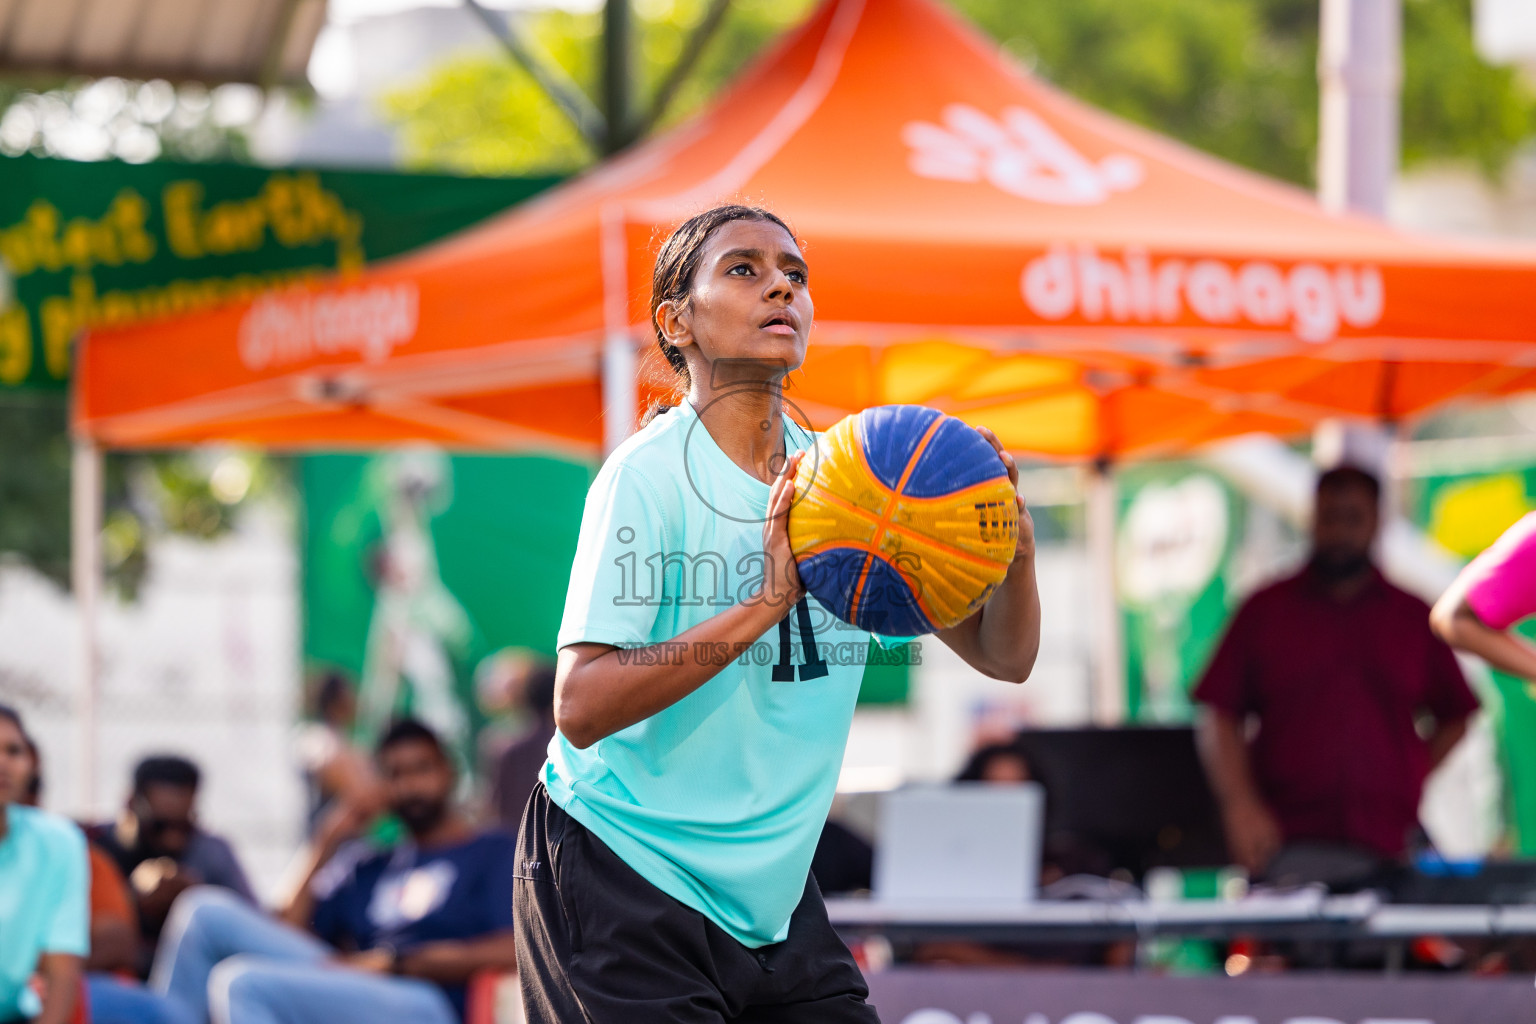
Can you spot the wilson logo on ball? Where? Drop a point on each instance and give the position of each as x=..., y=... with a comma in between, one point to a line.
x=906, y=521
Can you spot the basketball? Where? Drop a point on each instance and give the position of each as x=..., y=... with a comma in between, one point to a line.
x=904, y=520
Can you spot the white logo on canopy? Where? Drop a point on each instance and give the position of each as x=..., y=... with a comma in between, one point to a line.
x=291, y=328
x=1017, y=153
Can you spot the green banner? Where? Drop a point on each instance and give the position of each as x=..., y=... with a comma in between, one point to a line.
x=111, y=243
x=422, y=569
x=1178, y=528
x=419, y=566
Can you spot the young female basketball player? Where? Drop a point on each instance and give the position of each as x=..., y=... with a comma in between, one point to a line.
x=664, y=861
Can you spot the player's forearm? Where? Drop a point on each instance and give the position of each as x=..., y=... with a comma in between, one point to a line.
x=1505, y=652
x=597, y=696
x=1008, y=629
x=1460, y=628
x=1002, y=640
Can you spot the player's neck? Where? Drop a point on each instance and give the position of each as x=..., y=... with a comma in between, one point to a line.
x=747, y=421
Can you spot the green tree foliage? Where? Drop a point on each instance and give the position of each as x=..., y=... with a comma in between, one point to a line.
x=34, y=481
x=1454, y=105
x=92, y=120
x=1237, y=78
x=481, y=114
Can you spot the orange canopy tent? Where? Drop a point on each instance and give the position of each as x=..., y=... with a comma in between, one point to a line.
x=978, y=242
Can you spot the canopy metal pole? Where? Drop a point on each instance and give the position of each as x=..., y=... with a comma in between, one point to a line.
x=1360, y=67
x=619, y=366
x=1108, y=703
x=85, y=570
x=620, y=361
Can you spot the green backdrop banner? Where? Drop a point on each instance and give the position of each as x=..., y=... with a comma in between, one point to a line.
x=421, y=567
x=90, y=243
x=1179, y=526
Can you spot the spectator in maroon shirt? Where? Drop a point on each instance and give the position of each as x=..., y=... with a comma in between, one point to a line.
x=1313, y=704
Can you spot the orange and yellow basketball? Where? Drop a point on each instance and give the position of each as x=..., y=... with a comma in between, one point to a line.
x=904, y=520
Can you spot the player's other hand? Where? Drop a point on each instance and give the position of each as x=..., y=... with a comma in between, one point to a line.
x=783, y=578
x=1026, y=546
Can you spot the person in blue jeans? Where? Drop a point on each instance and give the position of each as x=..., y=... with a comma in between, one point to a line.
x=374, y=934
x=159, y=846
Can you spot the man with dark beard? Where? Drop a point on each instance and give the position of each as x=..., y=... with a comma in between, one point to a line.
x=1313, y=705
x=392, y=934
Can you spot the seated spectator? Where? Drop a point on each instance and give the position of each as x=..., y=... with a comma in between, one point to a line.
x=997, y=762
x=114, y=995
x=43, y=885
x=530, y=684
x=160, y=849
x=1492, y=594
x=391, y=934
x=1006, y=764
x=1313, y=704
x=114, y=924
x=335, y=771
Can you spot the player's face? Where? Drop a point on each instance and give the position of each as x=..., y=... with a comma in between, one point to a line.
x=751, y=299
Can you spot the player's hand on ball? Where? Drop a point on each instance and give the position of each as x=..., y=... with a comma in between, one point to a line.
x=1026, y=547
x=783, y=578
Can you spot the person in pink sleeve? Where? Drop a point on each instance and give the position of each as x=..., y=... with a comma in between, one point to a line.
x=1495, y=591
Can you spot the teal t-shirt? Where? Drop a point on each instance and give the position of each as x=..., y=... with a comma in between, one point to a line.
x=44, y=901
x=719, y=799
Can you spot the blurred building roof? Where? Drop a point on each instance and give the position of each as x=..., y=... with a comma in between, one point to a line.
x=260, y=41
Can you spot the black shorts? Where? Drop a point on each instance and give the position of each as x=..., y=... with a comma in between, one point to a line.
x=598, y=944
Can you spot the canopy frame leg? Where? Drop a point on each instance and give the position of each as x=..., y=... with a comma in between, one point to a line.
x=619, y=406
x=621, y=363
x=1107, y=697
x=86, y=496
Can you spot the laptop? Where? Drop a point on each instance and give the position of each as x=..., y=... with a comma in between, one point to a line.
x=965, y=841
